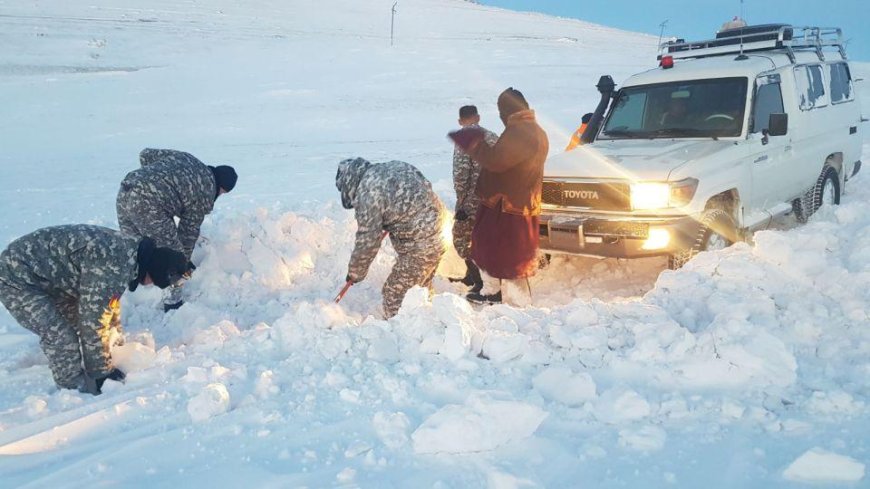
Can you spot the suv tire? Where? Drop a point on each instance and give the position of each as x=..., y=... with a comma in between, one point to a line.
x=716, y=231
x=825, y=191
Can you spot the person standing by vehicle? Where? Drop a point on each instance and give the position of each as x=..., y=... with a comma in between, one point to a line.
x=64, y=284
x=504, y=242
x=466, y=172
x=171, y=184
x=392, y=198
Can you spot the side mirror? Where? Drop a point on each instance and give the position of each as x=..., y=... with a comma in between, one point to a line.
x=777, y=125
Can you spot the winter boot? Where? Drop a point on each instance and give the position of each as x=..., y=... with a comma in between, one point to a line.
x=489, y=293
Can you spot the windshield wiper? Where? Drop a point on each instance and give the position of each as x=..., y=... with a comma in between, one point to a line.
x=682, y=132
x=622, y=133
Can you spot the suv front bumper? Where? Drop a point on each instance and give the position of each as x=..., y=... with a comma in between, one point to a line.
x=615, y=236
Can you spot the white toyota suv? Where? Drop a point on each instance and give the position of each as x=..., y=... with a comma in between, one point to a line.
x=720, y=139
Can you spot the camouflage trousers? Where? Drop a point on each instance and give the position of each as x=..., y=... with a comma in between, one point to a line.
x=413, y=267
x=462, y=237
x=56, y=321
x=139, y=216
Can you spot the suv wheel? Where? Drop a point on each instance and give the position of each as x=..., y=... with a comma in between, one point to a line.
x=825, y=191
x=716, y=232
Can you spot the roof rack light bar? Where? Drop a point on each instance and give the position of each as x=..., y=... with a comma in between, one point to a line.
x=759, y=38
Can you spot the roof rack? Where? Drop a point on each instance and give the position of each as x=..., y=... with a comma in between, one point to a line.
x=768, y=37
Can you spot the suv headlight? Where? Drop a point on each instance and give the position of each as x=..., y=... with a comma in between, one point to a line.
x=660, y=195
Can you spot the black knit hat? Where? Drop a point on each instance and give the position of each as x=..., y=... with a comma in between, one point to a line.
x=225, y=177
x=165, y=266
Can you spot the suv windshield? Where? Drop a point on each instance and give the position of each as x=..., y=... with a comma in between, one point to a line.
x=691, y=109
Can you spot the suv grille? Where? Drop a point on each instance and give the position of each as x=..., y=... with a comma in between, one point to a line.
x=600, y=196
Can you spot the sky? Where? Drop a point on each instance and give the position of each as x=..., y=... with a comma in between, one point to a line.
x=699, y=19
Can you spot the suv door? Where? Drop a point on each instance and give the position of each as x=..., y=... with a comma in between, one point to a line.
x=770, y=160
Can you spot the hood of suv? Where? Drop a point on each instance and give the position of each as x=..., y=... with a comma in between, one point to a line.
x=636, y=159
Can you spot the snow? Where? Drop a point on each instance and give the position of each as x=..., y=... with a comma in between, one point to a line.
x=817, y=465
x=482, y=423
x=749, y=367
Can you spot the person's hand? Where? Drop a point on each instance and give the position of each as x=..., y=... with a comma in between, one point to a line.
x=117, y=375
x=467, y=138
x=190, y=267
x=350, y=279
x=93, y=384
x=461, y=215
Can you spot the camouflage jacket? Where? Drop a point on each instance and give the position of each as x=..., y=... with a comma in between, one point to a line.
x=465, y=174
x=89, y=264
x=180, y=185
x=393, y=197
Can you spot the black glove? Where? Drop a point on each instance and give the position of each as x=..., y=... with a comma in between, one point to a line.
x=115, y=374
x=190, y=267
x=461, y=215
x=94, y=384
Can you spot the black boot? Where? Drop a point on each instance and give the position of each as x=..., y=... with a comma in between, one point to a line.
x=472, y=275
x=172, y=307
x=478, y=298
x=473, y=278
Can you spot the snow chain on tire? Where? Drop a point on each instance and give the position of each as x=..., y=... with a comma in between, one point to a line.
x=812, y=199
x=713, y=221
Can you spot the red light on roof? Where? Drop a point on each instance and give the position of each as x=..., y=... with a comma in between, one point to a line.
x=667, y=62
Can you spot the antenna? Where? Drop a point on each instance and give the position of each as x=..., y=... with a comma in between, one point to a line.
x=742, y=56
x=393, y=21
x=661, y=33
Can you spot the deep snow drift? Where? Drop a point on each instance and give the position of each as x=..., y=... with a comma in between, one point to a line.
x=747, y=368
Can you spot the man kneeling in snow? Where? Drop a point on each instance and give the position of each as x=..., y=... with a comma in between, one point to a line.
x=395, y=198
x=64, y=283
x=171, y=184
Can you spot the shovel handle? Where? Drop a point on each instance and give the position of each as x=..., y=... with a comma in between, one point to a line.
x=348, y=284
x=343, y=291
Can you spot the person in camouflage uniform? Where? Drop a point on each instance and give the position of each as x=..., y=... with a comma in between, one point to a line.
x=171, y=184
x=465, y=174
x=393, y=198
x=64, y=284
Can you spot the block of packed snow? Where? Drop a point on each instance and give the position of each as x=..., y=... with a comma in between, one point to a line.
x=834, y=403
x=581, y=314
x=619, y=405
x=214, y=337
x=482, y=423
x=133, y=357
x=391, y=428
x=821, y=466
x=213, y=400
x=502, y=347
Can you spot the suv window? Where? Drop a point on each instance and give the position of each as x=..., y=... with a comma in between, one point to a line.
x=768, y=100
x=841, y=83
x=631, y=112
x=811, y=86
x=684, y=109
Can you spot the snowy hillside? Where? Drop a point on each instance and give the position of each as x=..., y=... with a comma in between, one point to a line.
x=747, y=368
